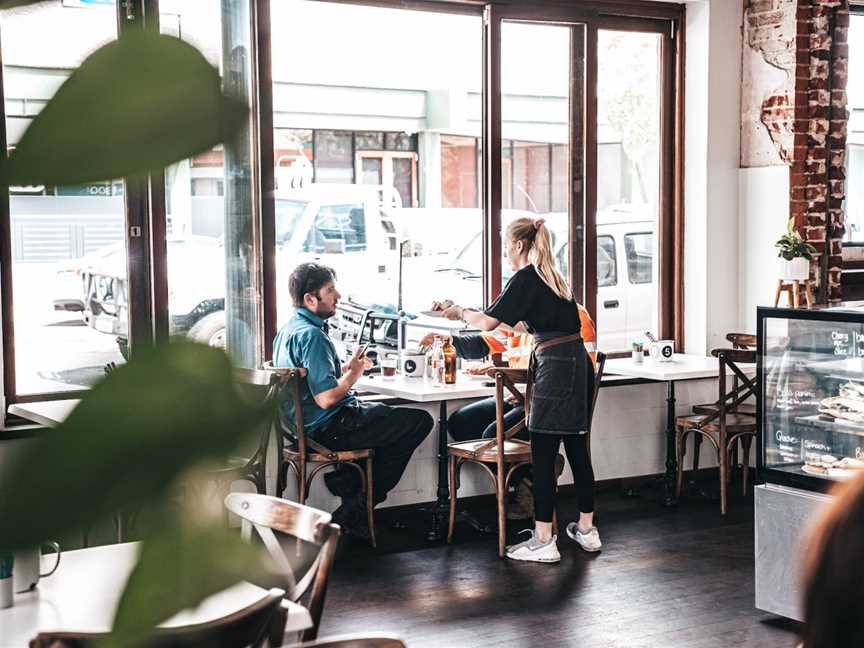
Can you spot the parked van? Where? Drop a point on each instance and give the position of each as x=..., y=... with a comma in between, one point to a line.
x=626, y=273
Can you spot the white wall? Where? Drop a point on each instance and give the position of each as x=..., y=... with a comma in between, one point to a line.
x=763, y=201
x=712, y=146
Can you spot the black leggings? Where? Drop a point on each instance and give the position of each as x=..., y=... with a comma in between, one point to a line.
x=544, y=449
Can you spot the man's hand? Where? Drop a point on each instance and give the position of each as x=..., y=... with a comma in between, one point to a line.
x=441, y=305
x=454, y=312
x=358, y=362
x=427, y=340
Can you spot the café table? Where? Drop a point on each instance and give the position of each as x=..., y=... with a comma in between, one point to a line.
x=422, y=390
x=82, y=596
x=683, y=367
x=48, y=413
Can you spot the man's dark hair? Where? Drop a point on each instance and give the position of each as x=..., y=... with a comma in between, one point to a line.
x=308, y=278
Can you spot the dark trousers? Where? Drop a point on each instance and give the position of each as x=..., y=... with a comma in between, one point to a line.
x=544, y=449
x=477, y=420
x=393, y=432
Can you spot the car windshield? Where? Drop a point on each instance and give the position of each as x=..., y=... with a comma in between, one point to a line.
x=288, y=214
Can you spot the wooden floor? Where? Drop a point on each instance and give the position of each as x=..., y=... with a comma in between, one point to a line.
x=681, y=577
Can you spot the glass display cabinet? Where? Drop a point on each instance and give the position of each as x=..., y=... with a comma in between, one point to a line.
x=811, y=369
x=811, y=414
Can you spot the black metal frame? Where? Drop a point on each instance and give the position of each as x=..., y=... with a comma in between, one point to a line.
x=147, y=271
x=816, y=314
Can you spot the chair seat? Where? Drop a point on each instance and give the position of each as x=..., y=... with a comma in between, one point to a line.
x=734, y=423
x=710, y=408
x=340, y=455
x=514, y=450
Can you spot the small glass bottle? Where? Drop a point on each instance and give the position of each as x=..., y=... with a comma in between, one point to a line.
x=449, y=353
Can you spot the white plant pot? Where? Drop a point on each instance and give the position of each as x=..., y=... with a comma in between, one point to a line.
x=798, y=269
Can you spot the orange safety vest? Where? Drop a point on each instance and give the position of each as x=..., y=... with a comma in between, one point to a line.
x=587, y=328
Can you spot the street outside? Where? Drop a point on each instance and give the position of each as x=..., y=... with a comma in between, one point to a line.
x=54, y=350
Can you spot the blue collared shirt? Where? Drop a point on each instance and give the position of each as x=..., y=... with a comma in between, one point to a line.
x=303, y=342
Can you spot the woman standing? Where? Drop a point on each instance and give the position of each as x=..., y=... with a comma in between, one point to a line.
x=539, y=297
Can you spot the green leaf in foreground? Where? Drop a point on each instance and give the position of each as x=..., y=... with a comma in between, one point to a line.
x=179, y=566
x=128, y=440
x=136, y=104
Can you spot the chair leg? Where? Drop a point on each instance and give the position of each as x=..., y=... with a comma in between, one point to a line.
x=679, y=449
x=745, y=443
x=724, y=476
x=502, y=517
x=454, y=488
x=697, y=444
x=370, y=502
x=733, y=463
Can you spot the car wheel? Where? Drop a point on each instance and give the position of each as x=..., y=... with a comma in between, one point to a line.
x=209, y=330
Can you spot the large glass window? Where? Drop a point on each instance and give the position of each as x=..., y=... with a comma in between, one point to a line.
x=535, y=128
x=214, y=293
x=855, y=132
x=628, y=183
x=68, y=252
x=394, y=152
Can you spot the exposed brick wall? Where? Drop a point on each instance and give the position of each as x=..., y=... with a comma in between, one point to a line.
x=817, y=181
x=768, y=82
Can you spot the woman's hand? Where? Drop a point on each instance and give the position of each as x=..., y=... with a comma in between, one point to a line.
x=427, y=340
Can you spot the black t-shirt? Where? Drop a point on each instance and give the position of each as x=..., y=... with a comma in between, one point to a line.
x=526, y=298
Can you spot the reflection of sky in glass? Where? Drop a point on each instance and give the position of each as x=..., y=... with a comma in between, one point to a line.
x=855, y=87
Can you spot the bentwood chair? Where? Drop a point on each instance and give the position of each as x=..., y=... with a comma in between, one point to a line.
x=310, y=528
x=741, y=341
x=247, y=627
x=725, y=425
x=504, y=452
x=353, y=641
x=297, y=450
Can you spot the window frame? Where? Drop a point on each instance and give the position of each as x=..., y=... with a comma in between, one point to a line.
x=147, y=271
x=856, y=10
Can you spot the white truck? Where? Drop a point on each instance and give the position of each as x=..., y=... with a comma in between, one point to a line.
x=333, y=224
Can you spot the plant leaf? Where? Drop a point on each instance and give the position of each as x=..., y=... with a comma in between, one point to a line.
x=136, y=104
x=179, y=566
x=132, y=435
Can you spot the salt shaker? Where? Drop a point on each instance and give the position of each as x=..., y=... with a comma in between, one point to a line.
x=638, y=353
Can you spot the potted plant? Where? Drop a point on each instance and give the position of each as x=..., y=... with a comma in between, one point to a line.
x=795, y=254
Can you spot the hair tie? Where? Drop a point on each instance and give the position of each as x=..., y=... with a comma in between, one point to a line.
x=538, y=223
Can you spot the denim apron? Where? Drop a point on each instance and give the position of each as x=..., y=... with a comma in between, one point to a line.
x=562, y=380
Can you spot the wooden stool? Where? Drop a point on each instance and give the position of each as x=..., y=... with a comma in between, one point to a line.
x=793, y=292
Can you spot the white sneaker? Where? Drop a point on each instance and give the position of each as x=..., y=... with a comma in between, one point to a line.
x=532, y=550
x=589, y=540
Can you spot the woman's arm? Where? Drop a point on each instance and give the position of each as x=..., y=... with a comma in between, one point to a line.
x=471, y=317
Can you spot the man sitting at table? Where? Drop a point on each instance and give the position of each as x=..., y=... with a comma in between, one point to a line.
x=332, y=414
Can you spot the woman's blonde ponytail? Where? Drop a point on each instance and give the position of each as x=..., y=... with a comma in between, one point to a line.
x=539, y=240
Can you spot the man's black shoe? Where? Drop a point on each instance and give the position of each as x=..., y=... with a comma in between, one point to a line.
x=351, y=517
x=343, y=482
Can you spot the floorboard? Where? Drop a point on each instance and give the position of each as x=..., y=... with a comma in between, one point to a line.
x=679, y=577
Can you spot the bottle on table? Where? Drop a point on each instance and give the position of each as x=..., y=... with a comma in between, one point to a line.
x=438, y=362
x=449, y=353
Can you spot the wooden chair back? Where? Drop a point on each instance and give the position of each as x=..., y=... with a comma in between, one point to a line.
x=743, y=386
x=599, y=366
x=254, y=382
x=292, y=431
x=353, y=641
x=741, y=340
x=247, y=627
x=268, y=514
